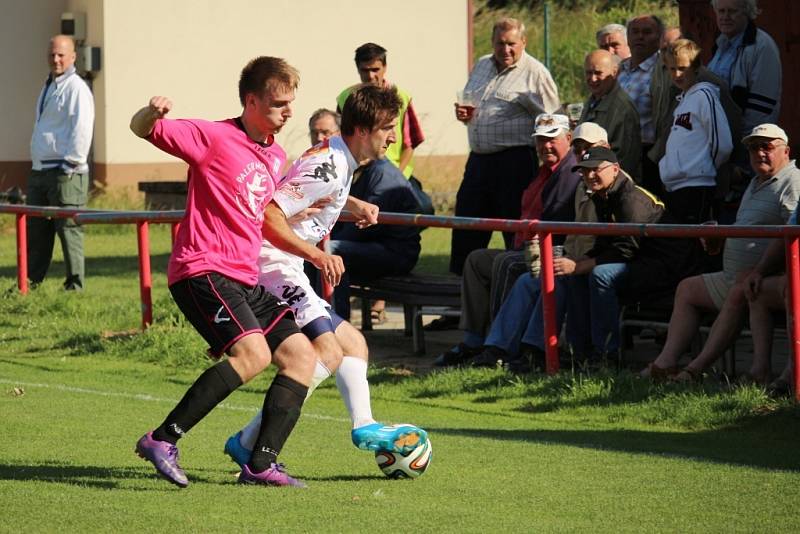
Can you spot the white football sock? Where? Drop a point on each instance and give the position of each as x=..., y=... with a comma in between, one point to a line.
x=321, y=372
x=250, y=432
x=351, y=379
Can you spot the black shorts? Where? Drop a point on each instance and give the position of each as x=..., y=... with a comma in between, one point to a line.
x=223, y=311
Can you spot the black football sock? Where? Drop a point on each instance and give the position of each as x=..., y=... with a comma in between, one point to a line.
x=211, y=388
x=282, y=406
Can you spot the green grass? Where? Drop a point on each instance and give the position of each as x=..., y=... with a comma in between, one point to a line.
x=602, y=453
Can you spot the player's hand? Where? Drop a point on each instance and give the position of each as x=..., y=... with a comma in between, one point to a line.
x=563, y=266
x=310, y=211
x=160, y=106
x=366, y=213
x=330, y=266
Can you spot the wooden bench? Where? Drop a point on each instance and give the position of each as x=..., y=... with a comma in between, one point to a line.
x=420, y=294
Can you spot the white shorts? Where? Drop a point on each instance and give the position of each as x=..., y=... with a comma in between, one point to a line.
x=282, y=275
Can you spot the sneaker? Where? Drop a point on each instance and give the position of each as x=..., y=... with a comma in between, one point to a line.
x=164, y=456
x=237, y=452
x=531, y=359
x=490, y=356
x=276, y=475
x=459, y=354
x=392, y=438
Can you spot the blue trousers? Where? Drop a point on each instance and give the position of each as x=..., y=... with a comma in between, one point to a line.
x=604, y=304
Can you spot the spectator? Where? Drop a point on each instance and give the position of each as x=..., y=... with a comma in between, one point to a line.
x=647, y=83
x=671, y=35
x=770, y=198
x=613, y=38
x=747, y=59
x=700, y=139
x=382, y=249
x=610, y=107
x=62, y=137
x=516, y=335
x=621, y=264
x=371, y=64
x=510, y=88
x=323, y=125
x=488, y=274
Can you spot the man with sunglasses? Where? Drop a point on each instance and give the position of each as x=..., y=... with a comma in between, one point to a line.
x=770, y=198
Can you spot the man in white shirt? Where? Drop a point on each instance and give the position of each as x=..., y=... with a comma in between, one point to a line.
x=62, y=137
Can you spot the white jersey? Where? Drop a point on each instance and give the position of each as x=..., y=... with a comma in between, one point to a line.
x=323, y=170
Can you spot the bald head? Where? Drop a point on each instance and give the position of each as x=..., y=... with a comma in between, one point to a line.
x=600, y=68
x=61, y=54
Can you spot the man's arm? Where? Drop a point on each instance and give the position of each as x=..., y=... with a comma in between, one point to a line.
x=770, y=263
x=145, y=119
x=277, y=231
x=82, y=118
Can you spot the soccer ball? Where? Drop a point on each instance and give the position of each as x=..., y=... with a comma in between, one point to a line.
x=411, y=465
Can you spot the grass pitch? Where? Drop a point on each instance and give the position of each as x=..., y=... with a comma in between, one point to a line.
x=78, y=386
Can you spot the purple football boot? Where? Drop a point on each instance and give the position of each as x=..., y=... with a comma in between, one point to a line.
x=164, y=456
x=276, y=475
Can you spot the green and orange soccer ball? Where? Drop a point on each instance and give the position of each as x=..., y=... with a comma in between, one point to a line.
x=410, y=465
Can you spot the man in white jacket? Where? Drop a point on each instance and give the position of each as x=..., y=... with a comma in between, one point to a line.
x=699, y=141
x=62, y=137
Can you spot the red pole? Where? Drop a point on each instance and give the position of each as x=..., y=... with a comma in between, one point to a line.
x=22, y=253
x=548, y=302
x=145, y=282
x=793, y=261
x=325, y=285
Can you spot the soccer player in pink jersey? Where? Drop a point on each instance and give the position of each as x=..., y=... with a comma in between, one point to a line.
x=234, y=168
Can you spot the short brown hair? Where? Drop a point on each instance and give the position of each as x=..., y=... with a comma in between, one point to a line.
x=686, y=48
x=369, y=105
x=508, y=24
x=266, y=74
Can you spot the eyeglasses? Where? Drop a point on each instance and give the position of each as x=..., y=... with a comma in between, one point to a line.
x=764, y=147
x=597, y=170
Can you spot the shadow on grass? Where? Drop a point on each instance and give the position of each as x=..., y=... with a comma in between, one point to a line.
x=765, y=442
x=79, y=475
x=100, y=266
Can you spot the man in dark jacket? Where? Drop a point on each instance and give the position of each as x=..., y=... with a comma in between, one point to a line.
x=382, y=249
x=611, y=107
x=622, y=263
x=490, y=274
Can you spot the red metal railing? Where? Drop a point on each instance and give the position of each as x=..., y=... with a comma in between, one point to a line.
x=545, y=230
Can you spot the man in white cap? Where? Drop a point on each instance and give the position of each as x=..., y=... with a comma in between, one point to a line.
x=489, y=274
x=770, y=198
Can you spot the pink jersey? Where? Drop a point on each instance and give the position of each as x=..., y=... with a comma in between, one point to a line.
x=231, y=180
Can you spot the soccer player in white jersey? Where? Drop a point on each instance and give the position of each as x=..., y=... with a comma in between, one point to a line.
x=311, y=196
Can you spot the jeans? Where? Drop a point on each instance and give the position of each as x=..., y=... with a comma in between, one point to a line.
x=364, y=260
x=604, y=304
x=521, y=317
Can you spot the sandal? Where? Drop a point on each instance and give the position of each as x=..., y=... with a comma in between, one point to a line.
x=687, y=375
x=378, y=316
x=779, y=389
x=658, y=374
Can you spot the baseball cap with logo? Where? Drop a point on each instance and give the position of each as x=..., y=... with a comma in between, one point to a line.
x=767, y=130
x=594, y=157
x=590, y=132
x=550, y=125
